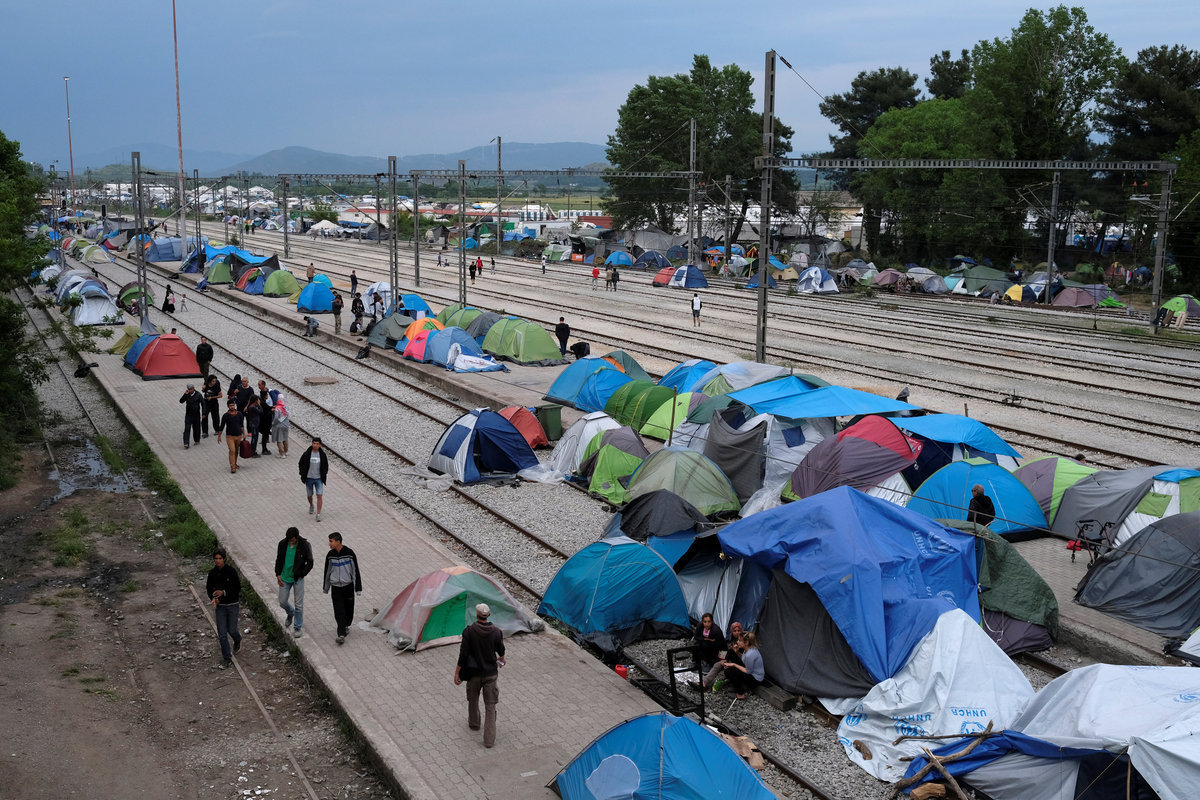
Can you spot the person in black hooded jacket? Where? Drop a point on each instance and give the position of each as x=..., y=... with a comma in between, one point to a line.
x=293, y=561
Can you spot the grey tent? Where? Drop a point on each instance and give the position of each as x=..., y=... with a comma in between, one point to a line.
x=1106, y=496
x=479, y=326
x=658, y=513
x=802, y=648
x=390, y=330
x=1152, y=580
x=739, y=453
x=728, y=588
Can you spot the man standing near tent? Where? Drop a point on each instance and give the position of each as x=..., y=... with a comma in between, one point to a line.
x=480, y=656
x=563, y=331
x=697, y=304
x=310, y=273
x=313, y=474
x=981, y=511
x=343, y=582
x=204, y=355
x=338, y=305
x=353, y=283
x=616, y=278
x=293, y=560
x=543, y=263
x=595, y=276
x=193, y=412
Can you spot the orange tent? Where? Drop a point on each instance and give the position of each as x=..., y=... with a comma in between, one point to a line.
x=525, y=422
x=166, y=356
x=424, y=324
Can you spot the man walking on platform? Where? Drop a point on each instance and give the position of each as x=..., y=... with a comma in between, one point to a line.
x=293, y=561
x=193, y=412
x=313, y=473
x=310, y=273
x=563, y=331
x=343, y=582
x=204, y=355
x=480, y=656
x=234, y=425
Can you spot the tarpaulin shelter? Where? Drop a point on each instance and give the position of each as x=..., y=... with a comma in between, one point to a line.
x=659, y=756
x=1152, y=579
x=610, y=458
x=684, y=374
x=166, y=356
x=615, y=592
x=658, y=513
x=906, y=570
x=946, y=494
x=740, y=453
x=689, y=474
x=522, y=342
x=434, y=609
x=571, y=446
x=382, y=289
x=527, y=424
x=863, y=455
x=634, y=402
x=793, y=397
x=481, y=445
x=315, y=298
x=1102, y=731
x=1048, y=478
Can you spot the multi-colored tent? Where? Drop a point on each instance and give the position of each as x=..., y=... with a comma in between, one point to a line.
x=610, y=458
x=1048, y=478
x=527, y=424
x=669, y=414
x=166, y=356
x=434, y=609
x=865, y=456
x=689, y=474
x=633, y=403
x=410, y=334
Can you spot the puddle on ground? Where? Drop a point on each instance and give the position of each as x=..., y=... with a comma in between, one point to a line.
x=81, y=465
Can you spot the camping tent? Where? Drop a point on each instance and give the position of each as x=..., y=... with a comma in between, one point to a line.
x=390, y=330
x=129, y=335
x=523, y=342
x=683, y=375
x=688, y=277
x=753, y=282
x=434, y=609
x=864, y=456
x=950, y=437
x=659, y=755
x=615, y=592
x=280, y=283
x=671, y=412
x=134, y=351
x=478, y=328
x=627, y=364
x=453, y=348
x=1125, y=501
x=480, y=445
x=166, y=356
x=96, y=308
x=381, y=288
x=619, y=258
x=815, y=280
x=946, y=494
x=1183, y=303
x=411, y=332
x=416, y=307
x=315, y=298
x=570, y=448
x=567, y=385
x=1048, y=478
x=1152, y=580
x=634, y=402
x=610, y=458
x=852, y=553
x=689, y=474
x=1074, y=297
x=651, y=259
x=459, y=317
x=525, y=422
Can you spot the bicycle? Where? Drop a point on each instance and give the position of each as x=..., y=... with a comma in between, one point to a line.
x=1096, y=545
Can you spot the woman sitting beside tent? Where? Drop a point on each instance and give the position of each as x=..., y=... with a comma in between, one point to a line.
x=710, y=641
x=749, y=673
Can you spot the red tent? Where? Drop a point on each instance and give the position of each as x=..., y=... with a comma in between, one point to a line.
x=664, y=276
x=525, y=422
x=247, y=276
x=167, y=357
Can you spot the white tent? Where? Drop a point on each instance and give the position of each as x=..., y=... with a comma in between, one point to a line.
x=97, y=308
x=569, y=450
x=381, y=288
x=815, y=280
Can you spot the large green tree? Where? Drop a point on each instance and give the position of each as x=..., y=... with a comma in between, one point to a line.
x=20, y=363
x=652, y=135
x=949, y=77
x=1153, y=104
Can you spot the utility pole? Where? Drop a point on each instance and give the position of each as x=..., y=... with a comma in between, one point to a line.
x=196, y=179
x=225, y=206
x=462, y=231
x=144, y=304
x=692, y=193
x=178, y=114
x=378, y=220
x=394, y=243
x=416, y=208
x=764, y=215
x=499, y=197
x=728, y=224
x=287, y=249
x=1160, y=247
x=1053, y=233
x=300, y=201
x=71, y=147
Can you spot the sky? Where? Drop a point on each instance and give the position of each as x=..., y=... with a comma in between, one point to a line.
x=396, y=77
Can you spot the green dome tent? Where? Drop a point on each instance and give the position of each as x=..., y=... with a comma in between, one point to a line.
x=689, y=474
x=612, y=455
x=461, y=318
x=219, y=271
x=522, y=342
x=670, y=414
x=445, y=313
x=280, y=283
x=633, y=403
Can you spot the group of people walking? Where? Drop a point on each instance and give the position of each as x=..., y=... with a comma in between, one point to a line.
x=252, y=417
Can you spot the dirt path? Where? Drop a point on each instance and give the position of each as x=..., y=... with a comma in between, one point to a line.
x=108, y=678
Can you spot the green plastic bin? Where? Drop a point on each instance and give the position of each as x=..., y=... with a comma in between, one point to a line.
x=551, y=418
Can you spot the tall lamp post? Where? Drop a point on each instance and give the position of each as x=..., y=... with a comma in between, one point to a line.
x=70, y=147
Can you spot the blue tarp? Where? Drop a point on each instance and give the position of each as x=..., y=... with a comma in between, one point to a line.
x=957, y=429
x=316, y=298
x=469, y=244
x=884, y=573
x=660, y=756
x=683, y=375
x=794, y=398
x=566, y=387
x=946, y=494
x=616, y=591
x=651, y=259
x=517, y=236
x=992, y=748
x=753, y=282
x=620, y=259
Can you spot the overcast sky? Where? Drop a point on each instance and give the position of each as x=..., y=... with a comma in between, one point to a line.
x=399, y=77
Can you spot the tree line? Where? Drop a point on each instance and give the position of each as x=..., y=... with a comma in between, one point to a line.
x=1053, y=89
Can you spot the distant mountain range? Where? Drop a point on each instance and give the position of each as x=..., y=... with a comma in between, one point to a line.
x=291, y=160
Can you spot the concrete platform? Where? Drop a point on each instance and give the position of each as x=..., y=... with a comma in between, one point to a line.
x=554, y=698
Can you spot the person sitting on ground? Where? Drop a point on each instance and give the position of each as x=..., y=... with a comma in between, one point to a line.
x=749, y=673
x=310, y=326
x=710, y=641
x=731, y=655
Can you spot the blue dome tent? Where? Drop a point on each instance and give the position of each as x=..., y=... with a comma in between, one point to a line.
x=316, y=298
x=753, y=283
x=688, y=277
x=683, y=375
x=651, y=259
x=443, y=347
x=415, y=306
x=480, y=445
x=619, y=258
x=566, y=387
x=616, y=591
x=946, y=494
x=135, y=351
x=656, y=756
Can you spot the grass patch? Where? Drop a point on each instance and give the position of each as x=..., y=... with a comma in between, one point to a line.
x=76, y=518
x=128, y=587
x=70, y=591
x=105, y=692
x=110, y=454
x=68, y=545
x=46, y=601
x=184, y=530
x=70, y=671
x=97, y=679
x=1132, y=331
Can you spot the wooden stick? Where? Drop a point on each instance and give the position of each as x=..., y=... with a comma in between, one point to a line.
x=904, y=783
x=953, y=784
